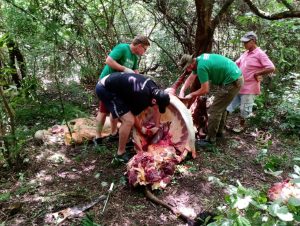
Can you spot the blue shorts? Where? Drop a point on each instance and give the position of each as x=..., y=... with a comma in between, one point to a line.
x=111, y=101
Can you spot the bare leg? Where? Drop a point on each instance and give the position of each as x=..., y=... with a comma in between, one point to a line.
x=100, y=120
x=113, y=125
x=124, y=131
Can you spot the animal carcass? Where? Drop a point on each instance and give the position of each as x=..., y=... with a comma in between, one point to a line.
x=157, y=156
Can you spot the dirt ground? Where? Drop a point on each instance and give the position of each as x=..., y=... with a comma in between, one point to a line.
x=59, y=177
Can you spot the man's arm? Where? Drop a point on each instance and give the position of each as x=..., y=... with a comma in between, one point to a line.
x=267, y=66
x=200, y=92
x=238, y=61
x=180, y=80
x=258, y=75
x=188, y=82
x=116, y=66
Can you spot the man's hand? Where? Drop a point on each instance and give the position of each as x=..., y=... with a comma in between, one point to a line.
x=181, y=94
x=258, y=77
x=189, y=96
x=128, y=70
x=170, y=91
x=149, y=132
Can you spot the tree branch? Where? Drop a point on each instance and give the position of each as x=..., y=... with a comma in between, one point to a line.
x=286, y=4
x=100, y=31
x=165, y=51
x=126, y=19
x=11, y=114
x=218, y=18
x=276, y=16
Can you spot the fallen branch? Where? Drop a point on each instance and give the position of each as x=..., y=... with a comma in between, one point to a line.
x=58, y=217
x=157, y=201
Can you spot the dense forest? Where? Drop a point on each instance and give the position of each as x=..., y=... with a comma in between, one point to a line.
x=51, y=55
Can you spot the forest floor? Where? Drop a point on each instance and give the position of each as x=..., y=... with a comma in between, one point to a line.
x=58, y=177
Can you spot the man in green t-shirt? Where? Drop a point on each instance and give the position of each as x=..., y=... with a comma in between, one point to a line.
x=217, y=70
x=122, y=58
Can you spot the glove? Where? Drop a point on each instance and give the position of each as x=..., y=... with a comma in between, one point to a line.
x=149, y=132
x=128, y=70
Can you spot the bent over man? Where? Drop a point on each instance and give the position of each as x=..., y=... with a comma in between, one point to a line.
x=126, y=95
x=123, y=58
x=217, y=70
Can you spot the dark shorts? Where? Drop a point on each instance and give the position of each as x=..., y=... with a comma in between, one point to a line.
x=111, y=101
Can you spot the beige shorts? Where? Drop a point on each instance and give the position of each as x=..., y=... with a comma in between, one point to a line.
x=245, y=101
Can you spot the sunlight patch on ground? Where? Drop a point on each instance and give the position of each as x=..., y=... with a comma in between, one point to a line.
x=37, y=198
x=205, y=188
x=69, y=175
x=184, y=170
x=163, y=217
x=89, y=168
x=18, y=221
x=253, y=151
x=76, y=174
x=58, y=158
x=41, y=177
x=54, y=157
x=187, y=211
x=186, y=203
x=43, y=154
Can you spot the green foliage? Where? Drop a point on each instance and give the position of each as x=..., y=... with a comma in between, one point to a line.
x=246, y=206
x=88, y=221
x=270, y=161
x=35, y=111
x=289, y=108
x=5, y=196
x=280, y=109
x=189, y=165
x=102, y=150
x=29, y=88
x=285, y=55
x=5, y=75
x=47, y=111
x=138, y=207
x=123, y=180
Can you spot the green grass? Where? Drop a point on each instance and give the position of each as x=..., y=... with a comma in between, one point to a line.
x=42, y=110
x=46, y=109
x=5, y=196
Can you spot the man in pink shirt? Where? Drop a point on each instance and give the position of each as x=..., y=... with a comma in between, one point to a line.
x=254, y=64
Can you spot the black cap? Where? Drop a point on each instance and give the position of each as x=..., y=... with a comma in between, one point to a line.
x=162, y=99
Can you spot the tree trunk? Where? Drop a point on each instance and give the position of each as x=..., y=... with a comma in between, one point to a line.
x=204, y=31
x=13, y=141
x=16, y=57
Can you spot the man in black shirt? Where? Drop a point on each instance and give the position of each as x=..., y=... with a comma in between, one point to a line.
x=126, y=95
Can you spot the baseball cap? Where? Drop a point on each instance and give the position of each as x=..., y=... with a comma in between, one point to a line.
x=185, y=61
x=162, y=99
x=249, y=36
